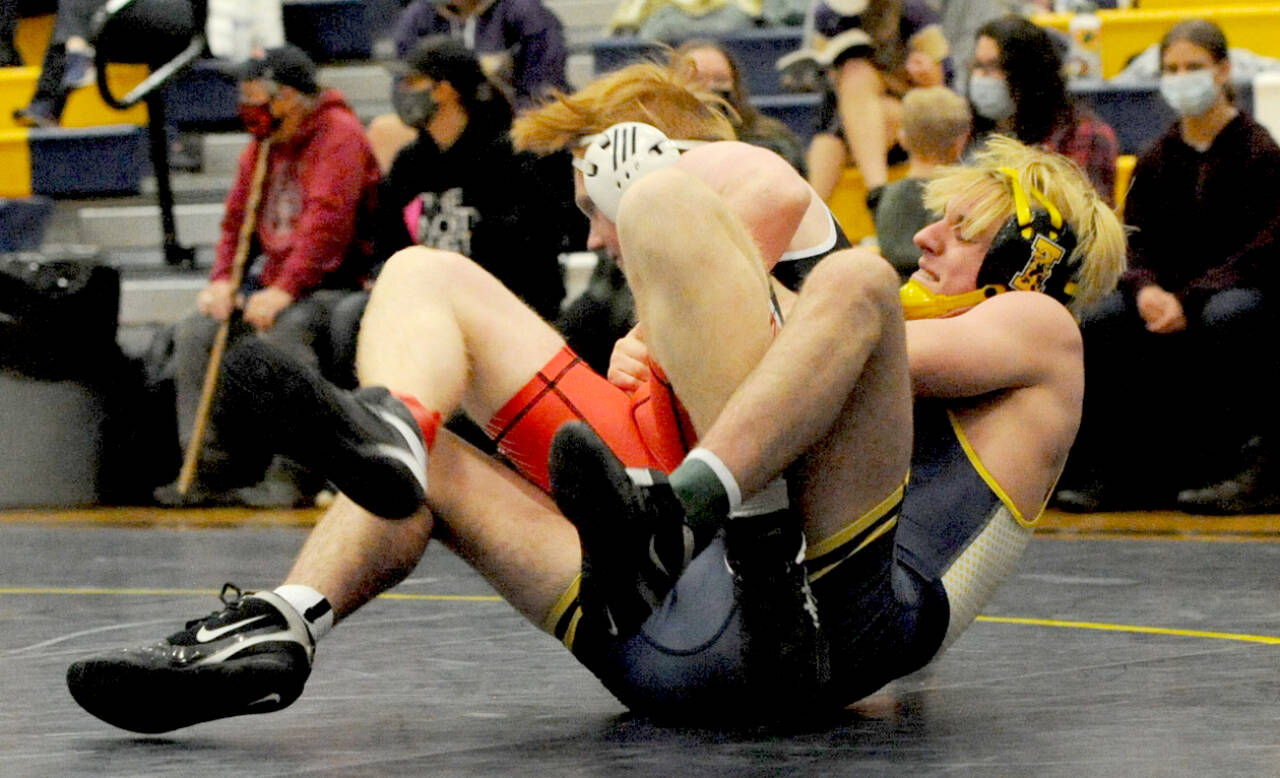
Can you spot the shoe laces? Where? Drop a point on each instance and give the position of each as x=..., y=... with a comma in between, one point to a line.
x=231, y=597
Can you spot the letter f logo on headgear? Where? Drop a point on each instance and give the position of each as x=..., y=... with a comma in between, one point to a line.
x=621, y=155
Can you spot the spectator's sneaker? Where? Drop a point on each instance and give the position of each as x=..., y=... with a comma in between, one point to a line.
x=632, y=528
x=37, y=114
x=253, y=656
x=366, y=442
x=79, y=70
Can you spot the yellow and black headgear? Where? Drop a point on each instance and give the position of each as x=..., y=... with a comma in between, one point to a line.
x=1029, y=251
x=1025, y=254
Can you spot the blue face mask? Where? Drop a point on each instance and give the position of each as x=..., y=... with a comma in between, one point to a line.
x=1190, y=94
x=990, y=97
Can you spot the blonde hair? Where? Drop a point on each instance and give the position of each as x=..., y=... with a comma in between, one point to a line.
x=1099, y=258
x=933, y=120
x=665, y=96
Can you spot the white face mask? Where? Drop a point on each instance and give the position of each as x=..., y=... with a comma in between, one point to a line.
x=1190, y=94
x=990, y=97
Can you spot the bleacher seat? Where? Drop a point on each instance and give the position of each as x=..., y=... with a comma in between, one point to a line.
x=203, y=98
x=329, y=30
x=1124, y=176
x=22, y=222
x=1254, y=26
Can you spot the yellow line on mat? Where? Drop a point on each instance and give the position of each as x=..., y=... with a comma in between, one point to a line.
x=1188, y=633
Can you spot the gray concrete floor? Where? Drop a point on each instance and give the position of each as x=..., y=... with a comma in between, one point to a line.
x=443, y=679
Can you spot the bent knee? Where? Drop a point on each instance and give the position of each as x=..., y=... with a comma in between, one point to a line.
x=424, y=262
x=856, y=274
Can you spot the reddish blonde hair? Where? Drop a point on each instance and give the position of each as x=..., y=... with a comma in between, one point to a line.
x=665, y=96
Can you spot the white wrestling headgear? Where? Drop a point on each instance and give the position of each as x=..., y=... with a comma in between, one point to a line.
x=620, y=156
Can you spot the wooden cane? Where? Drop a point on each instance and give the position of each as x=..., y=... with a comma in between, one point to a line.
x=191, y=458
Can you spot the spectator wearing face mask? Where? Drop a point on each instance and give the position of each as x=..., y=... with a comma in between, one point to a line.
x=1017, y=87
x=459, y=185
x=1177, y=385
x=311, y=237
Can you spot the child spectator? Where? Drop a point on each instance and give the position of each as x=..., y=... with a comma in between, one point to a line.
x=935, y=129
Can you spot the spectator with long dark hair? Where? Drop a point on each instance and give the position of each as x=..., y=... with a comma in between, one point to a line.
x=1017, y=87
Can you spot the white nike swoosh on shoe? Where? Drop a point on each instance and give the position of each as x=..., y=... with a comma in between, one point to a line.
x=241, y=645
x=417, y=458
x=205, y=635
x=272, y=697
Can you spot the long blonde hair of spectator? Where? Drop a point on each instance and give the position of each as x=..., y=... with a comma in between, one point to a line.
x=1099, y=257
x=661, y=95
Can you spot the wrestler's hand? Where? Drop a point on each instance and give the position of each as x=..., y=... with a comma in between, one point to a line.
x=216, y=300
x=262, y=307
x=629, y=362
x=1160, y=310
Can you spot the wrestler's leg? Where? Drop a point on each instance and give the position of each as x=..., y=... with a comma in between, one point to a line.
x=505, y=528
x=834, y=387
x=442, y=329
x=699, y=285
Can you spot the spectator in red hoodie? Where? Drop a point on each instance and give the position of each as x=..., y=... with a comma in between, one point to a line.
x=311, y=239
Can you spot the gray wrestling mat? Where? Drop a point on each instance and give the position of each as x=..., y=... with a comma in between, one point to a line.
x=1116, y=650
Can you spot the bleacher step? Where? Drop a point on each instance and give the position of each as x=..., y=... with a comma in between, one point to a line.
x=159, y=300
x=138, y=226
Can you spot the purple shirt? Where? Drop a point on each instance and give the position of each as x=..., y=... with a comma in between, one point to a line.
x=525, y=30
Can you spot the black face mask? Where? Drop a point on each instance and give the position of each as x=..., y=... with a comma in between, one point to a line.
x=415, y=109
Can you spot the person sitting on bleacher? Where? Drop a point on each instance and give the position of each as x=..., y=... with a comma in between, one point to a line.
x=68, y=64
x=935, y=130
x=1017, y=87
x=311, y=235
x=461, y=187
x=869, y=52
x=1179, y=364
x=717, y=70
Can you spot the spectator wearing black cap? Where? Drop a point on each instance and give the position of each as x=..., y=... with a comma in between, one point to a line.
x=461, y=187
x=312, y=233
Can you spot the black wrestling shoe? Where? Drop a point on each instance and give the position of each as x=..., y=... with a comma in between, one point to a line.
x=253, y=656
x=784, y=652
x=634, y=539
x=365, y=442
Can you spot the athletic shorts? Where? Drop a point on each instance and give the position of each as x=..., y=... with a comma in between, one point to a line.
x=646, y=429
x=878, y=621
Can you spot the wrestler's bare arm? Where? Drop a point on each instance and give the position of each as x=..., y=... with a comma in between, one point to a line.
x=1019, y=357
x=1014, y=340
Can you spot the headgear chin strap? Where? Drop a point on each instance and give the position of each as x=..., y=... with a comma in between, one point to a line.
x=620, y=156
x=1024, y=255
